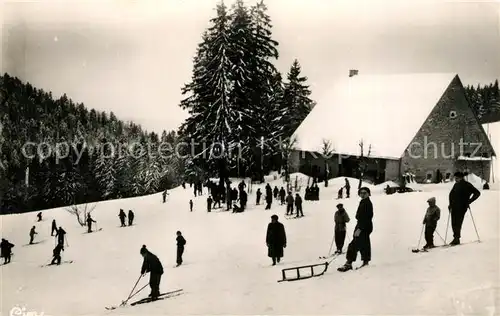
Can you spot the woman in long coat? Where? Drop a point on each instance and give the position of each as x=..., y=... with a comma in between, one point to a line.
x=275, y=239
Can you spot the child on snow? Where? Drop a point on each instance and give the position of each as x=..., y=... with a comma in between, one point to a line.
x=430, y=221
x=341, y=219
x=191, y=205
x=181, y=242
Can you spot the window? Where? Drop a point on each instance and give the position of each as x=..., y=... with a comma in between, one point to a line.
x=428, y=177
x=448, y=176
x=453, y=114
x=485, y=155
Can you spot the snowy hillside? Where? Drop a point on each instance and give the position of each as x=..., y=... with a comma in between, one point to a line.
x=226, y=269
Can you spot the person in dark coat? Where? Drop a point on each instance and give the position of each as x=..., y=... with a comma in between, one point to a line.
x=190, y=205
x=282, y=194
x=347, y=188
x=275, y=192
x=275, y=239
x=56, y=253
x=341, y=218
x=164, y=194
x=307, y=194
x=364, y=227
x=122, y=217
x=61, y=233
x=258, y=195
x=243, y=200
x=89, y=223
x=32, y=234
x=431, y=218
x=242, y=185
x=152, y=265
x=131, y=216
x=6, y=250
x=289, y=203
x=39, y=215
x=269, y=197
x=54, y=228
x=181, y=242
x=298, y=205
x=461, y=196
x=340, y=193
x=209, y=204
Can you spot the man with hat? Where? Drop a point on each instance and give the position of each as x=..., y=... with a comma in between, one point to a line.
x=461, y=196
x=152, y=265
x=275, y=239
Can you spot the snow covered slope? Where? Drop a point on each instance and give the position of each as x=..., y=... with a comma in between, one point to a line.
x=226, y=269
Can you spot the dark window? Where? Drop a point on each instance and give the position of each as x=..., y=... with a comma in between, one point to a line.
x=448, y=175
x=467, y=155
x=453, y=114
x=429, y=175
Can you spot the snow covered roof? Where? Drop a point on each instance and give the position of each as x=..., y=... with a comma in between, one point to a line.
x=385, y=111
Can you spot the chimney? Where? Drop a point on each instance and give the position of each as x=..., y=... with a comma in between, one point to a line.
x=353, y=72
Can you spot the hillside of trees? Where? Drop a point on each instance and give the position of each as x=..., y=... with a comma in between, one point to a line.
x=485, y=101
x=241, y=109
x=33, y=176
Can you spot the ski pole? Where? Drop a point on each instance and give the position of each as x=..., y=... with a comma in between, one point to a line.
x=420, y=238
x=140, y=276
x=66, y=239
x=447, y=224
x=440, y=237
x=474, y=223
x=331, y=245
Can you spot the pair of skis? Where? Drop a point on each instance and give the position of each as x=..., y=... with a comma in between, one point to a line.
x=162, y=296
x=293, y=216
x=54, y=264
x=436, y=247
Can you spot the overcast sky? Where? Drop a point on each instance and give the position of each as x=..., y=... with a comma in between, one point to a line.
x=132, y=58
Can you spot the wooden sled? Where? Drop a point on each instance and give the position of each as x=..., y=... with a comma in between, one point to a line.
x=302, y=276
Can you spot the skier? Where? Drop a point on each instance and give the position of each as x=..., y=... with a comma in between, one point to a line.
x=275, y=192
x=130, y=217
x=165, y=193
x=152, y=265
x=191, y=205
x=347, y=188
x=60, y=236
x=298, y=205
x=258, y=194
x=430, y=221
x=289, y=203
x=460, y=198
x=275, y=239
x=56, y=253
x=39, y=215
x=32, y=234
x=341, y=219
x=209, y=204
x=243, y=200
x=122, y=217
x=181, y=242
x=89, y=223
x=6, y=250
x=54, y=228
x=269, y=197
x=364, y=227
x=282, y=194
x=340, y=194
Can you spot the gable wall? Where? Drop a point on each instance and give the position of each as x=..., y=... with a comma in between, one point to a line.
x=437, y=143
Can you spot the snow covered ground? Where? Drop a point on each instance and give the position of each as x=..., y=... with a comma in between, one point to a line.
x=226, y=269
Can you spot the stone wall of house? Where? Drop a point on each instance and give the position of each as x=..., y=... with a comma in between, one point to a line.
x=437, y=144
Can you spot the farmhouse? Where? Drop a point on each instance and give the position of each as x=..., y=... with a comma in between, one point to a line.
x=418, y=124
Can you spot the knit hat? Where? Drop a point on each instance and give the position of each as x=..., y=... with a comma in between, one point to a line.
x=274, y=217
x=432, y=199
x=340, y=205
x=143, y=249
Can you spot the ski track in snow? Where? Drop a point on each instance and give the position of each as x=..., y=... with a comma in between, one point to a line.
x=227, y=270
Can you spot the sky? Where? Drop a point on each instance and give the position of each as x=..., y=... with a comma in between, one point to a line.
x=133, y=57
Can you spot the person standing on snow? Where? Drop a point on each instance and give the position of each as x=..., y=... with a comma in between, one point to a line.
x=341, y=218
x=39, y=215
x=61, y=233
x=258, y=195
x=89, y=223
x=364, y=227
x=289, y=203
x=181, y=242
x=275, y=239
x=54, y=228
x=430, y=221
x=32, y=234
x=209, y=204
x=190, y=205
x=282, y=195
x=275, y=192
x=6, y=250
x=460, y=198
x=298, y=205
x=152, y=265
x=122, y=217
x=347, y=188
x=130, y=217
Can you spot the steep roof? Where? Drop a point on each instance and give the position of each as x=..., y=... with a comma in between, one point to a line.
x=385, y=111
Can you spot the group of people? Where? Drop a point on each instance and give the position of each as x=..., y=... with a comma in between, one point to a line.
x=312, y=193
x=461, y=196
x=123, y=217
